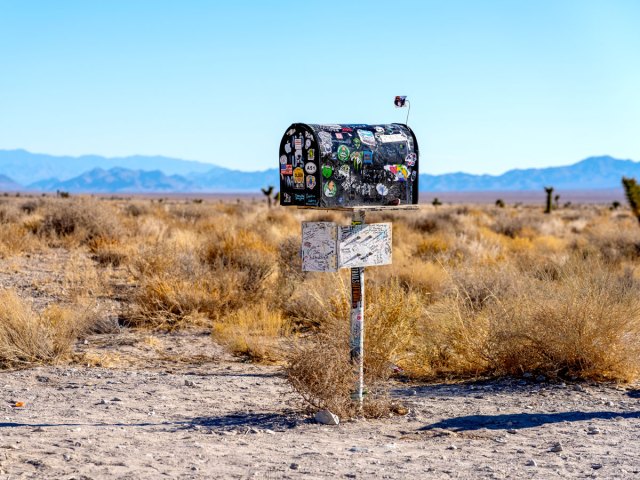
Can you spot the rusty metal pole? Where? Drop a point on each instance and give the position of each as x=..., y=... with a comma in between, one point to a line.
x=356, y=337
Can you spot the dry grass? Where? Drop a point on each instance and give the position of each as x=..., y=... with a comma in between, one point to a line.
x=28, y=338
x=254, y=332
x=473, y=290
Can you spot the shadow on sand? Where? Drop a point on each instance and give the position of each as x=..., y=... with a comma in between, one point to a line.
x=235, y=420
x=522, y=420
x=271, y=421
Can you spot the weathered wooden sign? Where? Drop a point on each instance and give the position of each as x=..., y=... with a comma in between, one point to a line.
x=326, y=247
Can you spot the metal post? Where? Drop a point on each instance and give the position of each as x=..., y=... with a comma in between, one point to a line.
x=356, y=337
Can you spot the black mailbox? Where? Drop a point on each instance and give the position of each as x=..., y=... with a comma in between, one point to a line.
x=348, y=165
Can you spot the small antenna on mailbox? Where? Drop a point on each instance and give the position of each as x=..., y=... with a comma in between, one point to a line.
x=401, y=102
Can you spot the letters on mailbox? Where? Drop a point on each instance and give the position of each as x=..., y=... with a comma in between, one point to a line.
x=348, y=165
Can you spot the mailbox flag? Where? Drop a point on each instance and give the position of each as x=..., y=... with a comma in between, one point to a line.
x=400, y=101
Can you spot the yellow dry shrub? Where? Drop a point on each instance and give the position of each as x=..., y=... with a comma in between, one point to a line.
x=426, y=278
x=81, y=278
x=519, y=245
x=254, y=331
x=431, y=246
x=319, y=368
x=582, y=319
x=15, y=238
x=450, y=340
x=28, y=338
x=169, y=302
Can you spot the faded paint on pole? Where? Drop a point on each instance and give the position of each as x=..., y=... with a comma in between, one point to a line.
x=356, y=337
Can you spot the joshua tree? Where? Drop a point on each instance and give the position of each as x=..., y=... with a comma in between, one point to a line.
x=614, y=205
x=268, y=191
x=549, y=206
x=436, y=202
x=500, y=203
x=556, y=201
x=276, y=197
x=632, y=192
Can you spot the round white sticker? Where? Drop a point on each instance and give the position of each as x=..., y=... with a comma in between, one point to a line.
x=310, y=168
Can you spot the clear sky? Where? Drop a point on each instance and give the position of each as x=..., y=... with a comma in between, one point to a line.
x=493, y=84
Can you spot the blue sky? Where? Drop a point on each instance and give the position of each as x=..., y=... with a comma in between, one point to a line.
x=493, y=84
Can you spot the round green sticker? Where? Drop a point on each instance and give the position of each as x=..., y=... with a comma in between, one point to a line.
x=343, y=153
x=356, y=142
x=327, y=171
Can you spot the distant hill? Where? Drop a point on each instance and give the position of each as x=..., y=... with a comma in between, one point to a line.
x=23, y=170
x=118, y=180
x=26, y=167
x=8, y=185
x=591, y=173
x=131, y=181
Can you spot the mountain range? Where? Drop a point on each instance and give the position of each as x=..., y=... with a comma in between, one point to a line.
x=22, y=170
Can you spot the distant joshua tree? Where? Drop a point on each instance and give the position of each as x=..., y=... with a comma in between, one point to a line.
x=436, y=202
x=632, y=192
x=276, y=198
x=500, y=203
x=614, y=205
x=268, y=192
x=549, y=205
x=556, y=201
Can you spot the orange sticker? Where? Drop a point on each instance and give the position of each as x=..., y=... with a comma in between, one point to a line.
x=298, y=178
x=19, y=404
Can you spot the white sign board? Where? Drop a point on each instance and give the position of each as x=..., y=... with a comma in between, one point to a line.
x=367, y=247
x=319, y=247
x=327, y=247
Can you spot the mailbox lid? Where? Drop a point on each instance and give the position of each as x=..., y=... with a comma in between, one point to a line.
x=351, y=165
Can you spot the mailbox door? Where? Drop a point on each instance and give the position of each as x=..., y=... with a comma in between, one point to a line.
x=299, y=167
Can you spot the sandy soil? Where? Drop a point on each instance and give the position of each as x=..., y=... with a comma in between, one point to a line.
x=176, y=406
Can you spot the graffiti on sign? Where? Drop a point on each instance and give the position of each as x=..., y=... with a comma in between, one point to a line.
x=319, y=247
x=369, y=246
x=327, y=247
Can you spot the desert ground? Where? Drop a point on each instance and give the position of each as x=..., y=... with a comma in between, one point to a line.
x=151, y=338
x=170, y=416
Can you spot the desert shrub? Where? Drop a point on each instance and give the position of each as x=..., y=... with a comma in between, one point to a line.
x=319, y=367
x=508, y=225
x=432, y=246
x=190, y=213
x=254, y=331
x=9, y=213
x=587, y=324
x=30, y=206
x=108, y=251
x=135, y=209
x=80, y=221
x=583, y=322
x=245, y=252
x=28, y=338
x=436, y=222
x=614, y=243
x=317, y=298
x=15, y=238
x=175, y=290
x=426, y=278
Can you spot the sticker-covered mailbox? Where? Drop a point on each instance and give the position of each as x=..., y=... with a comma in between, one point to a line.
x=357, y=168
x=348, y=165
